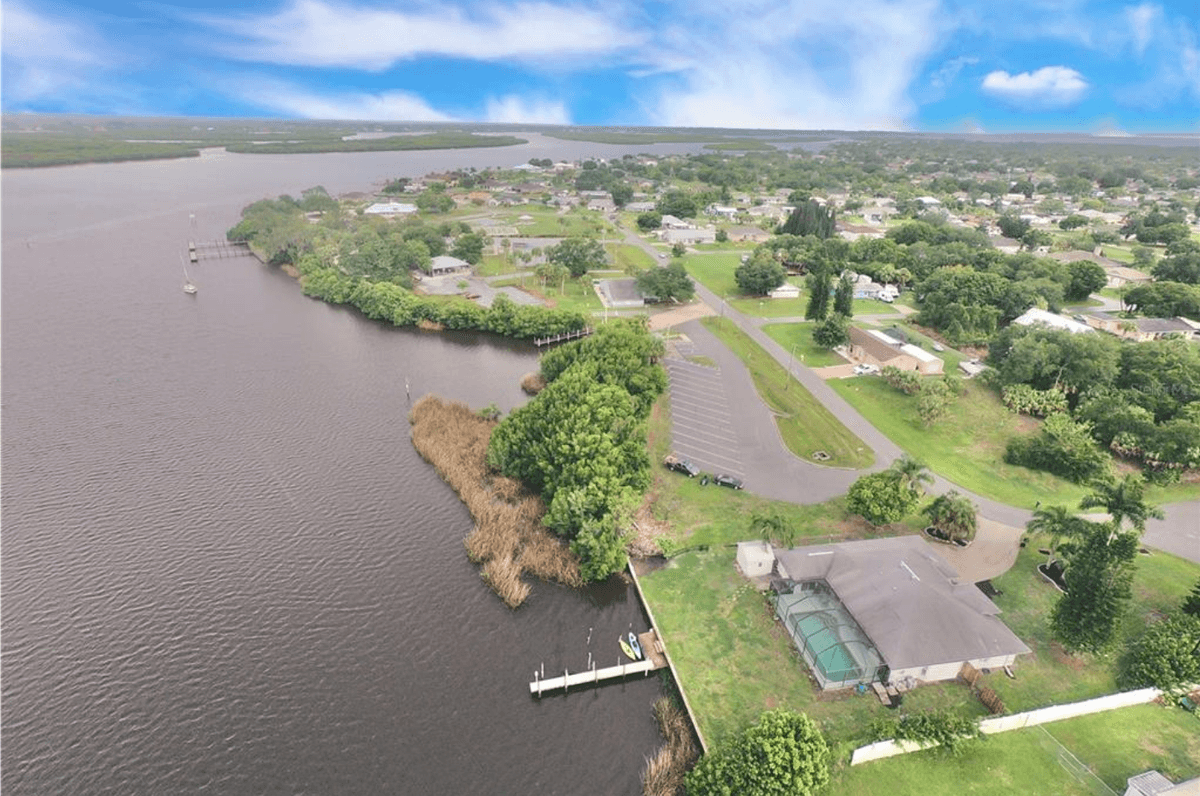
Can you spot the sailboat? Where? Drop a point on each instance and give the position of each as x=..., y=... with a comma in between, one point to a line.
x=188, y=287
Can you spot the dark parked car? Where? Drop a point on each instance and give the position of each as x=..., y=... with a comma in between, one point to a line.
x=679, y=465
x=727, y=480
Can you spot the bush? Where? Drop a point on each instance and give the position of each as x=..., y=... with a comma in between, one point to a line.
x=784, y=754
x=1026, y=400
x=880, y=498
x=1166, y=655
x=1063, y=447
x=939, y=727
x=906, y=381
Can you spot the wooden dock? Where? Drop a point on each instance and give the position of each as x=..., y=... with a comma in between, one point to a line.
x=651, y=647
x=217, y=249
x=562, y=338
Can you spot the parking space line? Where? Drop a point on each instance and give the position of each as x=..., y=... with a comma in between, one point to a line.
x=708, y=439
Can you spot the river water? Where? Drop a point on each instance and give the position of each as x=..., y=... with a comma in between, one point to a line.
x=225, y=569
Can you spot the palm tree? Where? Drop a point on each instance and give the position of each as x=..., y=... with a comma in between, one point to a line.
x=1123, y=500
x=954, y=514
x=1058, y=523
x=774, y=526
x=912, y=473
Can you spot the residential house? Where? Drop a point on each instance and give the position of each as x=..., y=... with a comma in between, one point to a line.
x=688, y=236
x=640, y=207
x=1143, y=329
x=748, y=234
x=874, y=347
x=886, y=610
x=671, y=222
x=1120, y=275
x=391, y=209
x=445, y=264
x=866, y=288
x=1039, y=317
x=722, y=211
x=785, y=291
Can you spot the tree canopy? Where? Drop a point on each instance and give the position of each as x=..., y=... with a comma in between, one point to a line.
x=783, y=754
x=578, y=254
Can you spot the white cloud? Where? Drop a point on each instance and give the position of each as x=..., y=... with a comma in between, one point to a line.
x=1141, y=20
x=1048, y=87
x=294, y=101
x=327, y=34
x=44, y=57
x=514, y=110
x=815, y=64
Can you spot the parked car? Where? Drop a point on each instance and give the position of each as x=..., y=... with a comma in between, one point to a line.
x=679, y=465
x=865, y=369
x=727, y=480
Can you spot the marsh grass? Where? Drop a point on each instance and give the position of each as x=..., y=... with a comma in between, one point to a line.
x=509, y=539
x=664, y=772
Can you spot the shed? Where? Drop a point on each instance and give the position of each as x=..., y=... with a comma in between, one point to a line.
x=786, y=290
x=755, y=559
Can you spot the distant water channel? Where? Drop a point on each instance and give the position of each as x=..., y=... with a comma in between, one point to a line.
x=225, y=569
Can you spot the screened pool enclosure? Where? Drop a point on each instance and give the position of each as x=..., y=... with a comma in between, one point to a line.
x=833, y=645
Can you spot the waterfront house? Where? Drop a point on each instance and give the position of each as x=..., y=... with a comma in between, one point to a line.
x=886, y=610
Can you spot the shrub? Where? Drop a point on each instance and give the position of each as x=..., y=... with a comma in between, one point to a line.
x=784, y=754
x=1166, y=655
x=880, y=498
x=1026, y=400
x=906, y=381
x=938, y=727
x=1063, y=447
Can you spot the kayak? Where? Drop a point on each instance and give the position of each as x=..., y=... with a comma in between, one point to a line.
x=628, y=650
x=635, y=646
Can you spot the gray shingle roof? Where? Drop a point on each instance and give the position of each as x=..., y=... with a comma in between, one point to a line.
x=906, y=599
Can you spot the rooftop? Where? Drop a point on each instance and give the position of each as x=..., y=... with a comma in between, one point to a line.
x=907, y=600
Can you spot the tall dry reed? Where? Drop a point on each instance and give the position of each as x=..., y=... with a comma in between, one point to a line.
x=508, y=539
x=665, y=772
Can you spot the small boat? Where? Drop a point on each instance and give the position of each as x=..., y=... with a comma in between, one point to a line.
x=635, y=646
x=628, y=650
x=188, y=286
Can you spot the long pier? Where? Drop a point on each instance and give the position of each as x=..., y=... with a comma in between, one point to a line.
x=651, y=647
x=560, y=338
x=217, y=249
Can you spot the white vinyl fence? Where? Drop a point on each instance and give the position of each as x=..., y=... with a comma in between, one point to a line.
x=1017, y=721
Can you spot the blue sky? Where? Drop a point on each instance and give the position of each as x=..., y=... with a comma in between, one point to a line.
x=945, y=65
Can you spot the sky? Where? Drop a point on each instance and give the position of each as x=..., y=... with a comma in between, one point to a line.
x=1099, y=66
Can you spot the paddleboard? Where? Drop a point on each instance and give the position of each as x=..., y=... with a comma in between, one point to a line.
x=635, y=646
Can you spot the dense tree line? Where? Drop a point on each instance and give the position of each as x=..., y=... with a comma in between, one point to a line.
x=581, y=443
x=1138, y=400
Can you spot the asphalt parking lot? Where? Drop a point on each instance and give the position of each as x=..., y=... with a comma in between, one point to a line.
x=700, y=418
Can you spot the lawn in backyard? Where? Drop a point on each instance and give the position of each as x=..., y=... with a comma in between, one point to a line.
x=804, y=422
x=1114, y=746
x=797, y=337
x=548, y=222
x=1048, y=676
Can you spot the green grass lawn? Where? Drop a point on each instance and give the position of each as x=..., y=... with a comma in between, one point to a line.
x=715, y=271
x=628, y=258
x=804, y=423
x=967, y=446
x=576, y=294
x=547, y=223
x=798, y=337
x=498, y=265
x=1048, y=676
x=1114, y=745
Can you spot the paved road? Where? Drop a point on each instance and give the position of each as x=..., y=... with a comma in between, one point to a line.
x=773, y=471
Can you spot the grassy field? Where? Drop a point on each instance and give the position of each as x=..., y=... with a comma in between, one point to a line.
x=498, y=265
x=1113, y=745
x=629, y=258
x=798, y=337
x=548, y=223
x=804, y=423
x=715, y=271
x=577, y=294
x=1048, y=676
x=967, y=446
